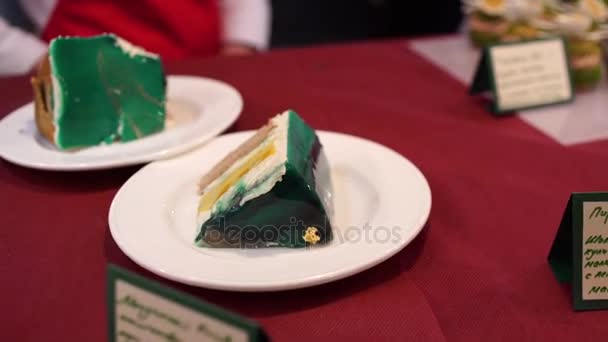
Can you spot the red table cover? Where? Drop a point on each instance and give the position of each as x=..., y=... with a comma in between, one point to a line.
x=478, y=270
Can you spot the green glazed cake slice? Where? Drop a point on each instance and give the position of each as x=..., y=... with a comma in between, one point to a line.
x=274, y=190
x=98, y=90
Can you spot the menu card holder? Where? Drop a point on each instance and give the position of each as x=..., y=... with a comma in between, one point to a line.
x=579, y=254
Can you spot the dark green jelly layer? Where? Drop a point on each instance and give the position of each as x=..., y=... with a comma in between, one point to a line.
x=105, y=94
x=280, y=217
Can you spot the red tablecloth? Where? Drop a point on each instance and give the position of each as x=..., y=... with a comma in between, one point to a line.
x=478, y=271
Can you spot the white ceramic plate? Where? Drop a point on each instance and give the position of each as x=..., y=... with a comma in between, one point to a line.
x=153, y=219
x=198, y=109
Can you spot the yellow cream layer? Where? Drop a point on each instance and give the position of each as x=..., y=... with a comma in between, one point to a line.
x=211, y=195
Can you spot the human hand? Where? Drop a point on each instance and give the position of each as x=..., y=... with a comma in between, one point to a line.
x=236, y=50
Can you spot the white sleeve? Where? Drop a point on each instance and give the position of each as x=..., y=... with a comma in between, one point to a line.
x=246, y=22
x=19, y=50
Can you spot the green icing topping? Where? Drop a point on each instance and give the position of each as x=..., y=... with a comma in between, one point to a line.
x=587, y=77
x=488, y=17
x=280, y=217
x=105, y=94
x=578, y=48
x=522, y=30
x=483, y=39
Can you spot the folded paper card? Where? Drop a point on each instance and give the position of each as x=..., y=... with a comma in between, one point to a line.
x=143, y=310
x=524, y=75
x=579, y=254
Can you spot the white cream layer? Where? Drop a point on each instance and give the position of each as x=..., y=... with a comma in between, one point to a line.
x=133, y=50
x=57, y=103
x=271, y=169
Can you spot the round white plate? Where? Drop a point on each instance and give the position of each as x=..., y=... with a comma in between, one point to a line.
x=198, y=109
x=381, y=200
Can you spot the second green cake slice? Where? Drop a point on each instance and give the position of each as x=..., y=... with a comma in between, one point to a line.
x=272, y=191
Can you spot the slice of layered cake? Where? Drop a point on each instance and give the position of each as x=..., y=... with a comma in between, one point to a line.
x=274, y=190
x=101, y=89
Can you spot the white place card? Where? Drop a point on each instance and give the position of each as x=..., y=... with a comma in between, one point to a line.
x=524, y=75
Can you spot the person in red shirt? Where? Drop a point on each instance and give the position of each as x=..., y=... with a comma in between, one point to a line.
x=172, y=29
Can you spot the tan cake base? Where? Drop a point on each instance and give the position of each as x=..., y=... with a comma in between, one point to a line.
x=43, y=91
x=235, y=155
